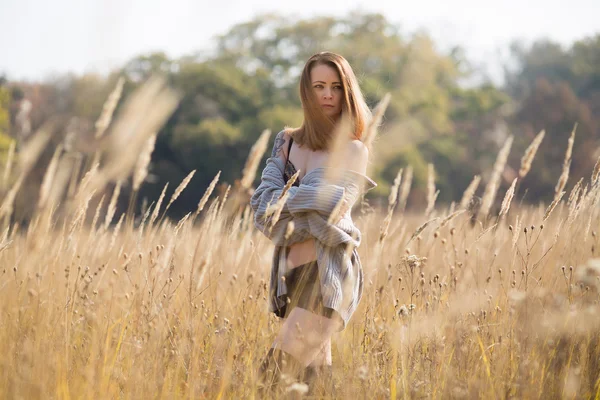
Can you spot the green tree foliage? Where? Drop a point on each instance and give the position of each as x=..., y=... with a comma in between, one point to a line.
x=250, y=83
x=557, y=88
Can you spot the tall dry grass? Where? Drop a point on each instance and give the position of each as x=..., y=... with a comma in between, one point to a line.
x=177, y=309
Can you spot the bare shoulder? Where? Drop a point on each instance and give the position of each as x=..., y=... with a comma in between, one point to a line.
x=358, y=156
x=280, y=145
x=358, y=149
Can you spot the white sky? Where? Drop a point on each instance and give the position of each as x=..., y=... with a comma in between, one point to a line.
x=39, y=38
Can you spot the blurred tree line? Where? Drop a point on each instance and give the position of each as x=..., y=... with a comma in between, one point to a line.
x=250, y=83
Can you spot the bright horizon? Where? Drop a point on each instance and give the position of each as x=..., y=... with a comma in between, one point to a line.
x=39, y=39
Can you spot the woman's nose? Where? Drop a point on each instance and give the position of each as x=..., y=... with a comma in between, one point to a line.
x=327, y=93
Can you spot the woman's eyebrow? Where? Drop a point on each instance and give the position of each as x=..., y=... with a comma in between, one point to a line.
x=333, y=83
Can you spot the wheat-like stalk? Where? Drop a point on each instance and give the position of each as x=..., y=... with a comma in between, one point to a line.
x=9, y=163
x=180, y=223
x=574, y=195
x=207, y=193
x=48, y=179
x=7, y=207
x=81, y=212
x=596, y=172
x=338, y=149
x=469, y=192
x=75, y=171
x=431, y=193
x=529, y=155
x=392, y=201
x=141, y=168
x=224, y=200
x=158, y=203
x=450, y=217
x=564, y=176
x=384, y=229
x=180, y=188
x=516, y=232
x=112, y=205
x=82, y=190
x=552, y=206
x=421, y=229
x=492, y=187
x=405, y=187
x=289, y=229
x=371, y=131
x=32, y=149
x=272, y=209
x=276, y=210
x=393, y=196
x=96, y=216
x=61, y=179
x=256, y=153
x=108, y=108
x=507, y=199
x=116, y=232
x=144, y=113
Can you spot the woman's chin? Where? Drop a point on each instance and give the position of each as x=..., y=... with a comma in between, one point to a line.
x=333, y=115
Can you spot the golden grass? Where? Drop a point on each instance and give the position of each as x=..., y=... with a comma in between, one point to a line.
x=161, y=309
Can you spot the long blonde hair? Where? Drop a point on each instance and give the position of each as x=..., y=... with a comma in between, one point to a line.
x=317, y=128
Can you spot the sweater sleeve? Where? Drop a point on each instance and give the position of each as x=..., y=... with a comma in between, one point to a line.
x=301, y=200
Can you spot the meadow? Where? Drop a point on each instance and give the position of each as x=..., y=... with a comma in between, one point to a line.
x=460, y=302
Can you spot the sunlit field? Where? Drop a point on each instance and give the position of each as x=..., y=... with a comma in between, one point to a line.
x=478, y=299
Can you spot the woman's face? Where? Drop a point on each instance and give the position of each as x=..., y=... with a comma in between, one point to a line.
x=328, y=89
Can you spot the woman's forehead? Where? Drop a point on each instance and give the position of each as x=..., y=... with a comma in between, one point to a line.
x=324, y=73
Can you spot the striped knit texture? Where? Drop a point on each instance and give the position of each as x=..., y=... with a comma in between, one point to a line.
x=309, y=205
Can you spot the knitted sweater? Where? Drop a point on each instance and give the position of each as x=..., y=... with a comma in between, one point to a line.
x=309, y=207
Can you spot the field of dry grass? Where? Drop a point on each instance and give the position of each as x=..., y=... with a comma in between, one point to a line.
x=97, y=305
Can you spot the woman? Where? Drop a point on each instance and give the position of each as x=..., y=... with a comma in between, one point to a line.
x=316, y=277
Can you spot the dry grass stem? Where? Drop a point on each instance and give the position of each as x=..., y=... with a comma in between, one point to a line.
x=48, y=179
x=450, y=217
x=338, y=149
x=224, y=199
x=371, y=131
x=596, y=172
x=564, y=176
x=421, y=229
x=256, y=154
x=109, y=108
x=405, y=187
x=180, y=188
x=112, y=205
x=141, y=168
x=158, y=204
x=142, y=115
x=529, y=155
x=491, y=189
x=431, y=193
x=33, y=148
x=393, y=196
x=507, y=199
x=469, y=192
x=574, y=195
x=553, y=205
x=208, y=192
x=9, y=163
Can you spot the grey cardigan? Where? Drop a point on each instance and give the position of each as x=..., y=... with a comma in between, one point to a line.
x=309, y=207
